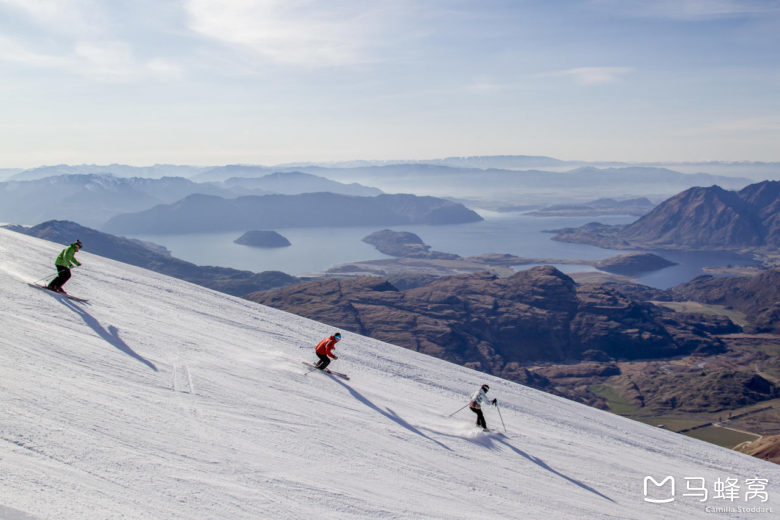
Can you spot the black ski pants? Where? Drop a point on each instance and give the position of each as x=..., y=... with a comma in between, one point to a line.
x=63, y=275
x=323, y=362
x=480, y=417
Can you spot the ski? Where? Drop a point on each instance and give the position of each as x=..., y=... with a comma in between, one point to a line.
x=492, y=432
x=68, y=296
x=327, y=371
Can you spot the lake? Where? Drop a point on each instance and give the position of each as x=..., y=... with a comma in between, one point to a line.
x=314, y=250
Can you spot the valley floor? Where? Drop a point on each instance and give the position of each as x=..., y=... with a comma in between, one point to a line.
x=640, y=391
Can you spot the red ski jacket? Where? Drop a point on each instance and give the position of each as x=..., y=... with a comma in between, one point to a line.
x=326, y=346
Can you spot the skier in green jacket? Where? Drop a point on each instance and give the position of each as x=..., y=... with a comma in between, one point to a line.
x=64, y=262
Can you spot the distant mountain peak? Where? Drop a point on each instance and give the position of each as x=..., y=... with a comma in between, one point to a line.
x=697, y=218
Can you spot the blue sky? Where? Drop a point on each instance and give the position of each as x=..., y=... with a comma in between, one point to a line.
x=268, y=82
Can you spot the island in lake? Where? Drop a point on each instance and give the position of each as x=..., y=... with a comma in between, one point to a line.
x=264, y=239
x=412, y=255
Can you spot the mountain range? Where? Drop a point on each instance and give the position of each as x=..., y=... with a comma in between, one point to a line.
x=638, y=206
x=156, y=171
x=93, y=198
x=498, y=188
x=497, y=324
x=751, y=169
x=697, y=218
x=486, y=182
x=203, y=213
x=294, y=183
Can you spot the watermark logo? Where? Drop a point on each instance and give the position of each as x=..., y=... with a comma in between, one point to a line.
x=657, y=484
x=725, y=490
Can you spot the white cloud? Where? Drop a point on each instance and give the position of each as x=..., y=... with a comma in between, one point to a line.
x=485, y=86
x=108, y=61
x=15, y=52
x=77, y=39
x=164, y=69
x=688, y=9
x=296, y=32
x=593, y=76
x=84, y=18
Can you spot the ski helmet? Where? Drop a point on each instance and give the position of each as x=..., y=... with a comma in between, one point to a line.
x=485, y=387
x=337, y=335
x=78, y=243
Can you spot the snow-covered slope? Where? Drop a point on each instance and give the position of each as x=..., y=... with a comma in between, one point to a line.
x=162, y=399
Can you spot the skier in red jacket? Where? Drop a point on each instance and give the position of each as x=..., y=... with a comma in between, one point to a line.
x=325, y=350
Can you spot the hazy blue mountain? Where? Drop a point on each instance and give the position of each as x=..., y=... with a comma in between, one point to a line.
x=156, y=171
x=651, y=175
x=94, y=198
x=7, y=173
x=293, y=183
x=91, y=199
x=490, y=182
x=755, y=170
x=230, y=171
x=507, y=162
x=605, y=206
x=494, y=188
x=204, y=213
x=512, y=162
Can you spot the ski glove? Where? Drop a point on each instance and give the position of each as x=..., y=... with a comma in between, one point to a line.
x=494, y=401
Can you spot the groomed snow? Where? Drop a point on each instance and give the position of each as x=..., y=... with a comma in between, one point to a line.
x=160, y=399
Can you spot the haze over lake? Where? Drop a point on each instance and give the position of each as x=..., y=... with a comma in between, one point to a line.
x=315, y=250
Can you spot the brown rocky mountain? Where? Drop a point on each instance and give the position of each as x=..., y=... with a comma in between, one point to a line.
x=757, y=296
x=765, y=198
x=494, y=324
x=698, y=218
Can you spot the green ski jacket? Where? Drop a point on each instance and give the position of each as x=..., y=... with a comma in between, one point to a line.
x=66, y=258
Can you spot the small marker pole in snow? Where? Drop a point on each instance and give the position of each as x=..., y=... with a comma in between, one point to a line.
x=456, y=411
x=499, y=415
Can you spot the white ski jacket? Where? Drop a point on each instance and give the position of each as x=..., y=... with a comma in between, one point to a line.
x=478, y=397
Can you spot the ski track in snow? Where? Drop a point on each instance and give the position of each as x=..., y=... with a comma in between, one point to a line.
x=161, y=399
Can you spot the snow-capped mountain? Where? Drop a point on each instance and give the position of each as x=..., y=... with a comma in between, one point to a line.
x=162, y=399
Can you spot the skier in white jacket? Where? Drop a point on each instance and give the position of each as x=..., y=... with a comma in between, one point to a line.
x=477, y=399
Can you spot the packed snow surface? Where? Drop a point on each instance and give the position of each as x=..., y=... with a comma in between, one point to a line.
x=162, y=399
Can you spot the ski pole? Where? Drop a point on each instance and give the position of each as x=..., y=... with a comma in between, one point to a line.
x=45, y=278
x=459, y=409
x=499, y=415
